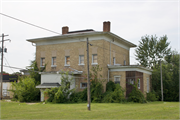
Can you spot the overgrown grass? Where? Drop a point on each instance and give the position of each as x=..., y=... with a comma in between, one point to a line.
x=154, y=110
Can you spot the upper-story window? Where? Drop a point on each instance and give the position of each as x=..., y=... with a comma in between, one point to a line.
x=94, y=59
x=53, y=62
x=114, y=60
x=42, y=62
x=124, y=62
x=81, y=60
x=67, y=60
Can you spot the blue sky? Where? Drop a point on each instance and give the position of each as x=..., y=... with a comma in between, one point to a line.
x=129, y=19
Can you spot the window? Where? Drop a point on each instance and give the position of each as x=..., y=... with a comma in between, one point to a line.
x=68, y=84
x=81, y=60
x=117, y=79
x=83, y=85
x=94, y=59
x=114, y=60
x=147, y=85
x=124, y=62
x=130, y=81
x=139, y=85
x=53, y=61
x=67, y=60
x=42, y=62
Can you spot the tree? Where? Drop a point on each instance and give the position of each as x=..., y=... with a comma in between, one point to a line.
x=34, y=72
x=25, y=90
x=170, y=74
x=150, y=50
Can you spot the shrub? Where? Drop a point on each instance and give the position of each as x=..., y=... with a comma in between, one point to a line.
x=151, y=96
x=136, y=95
x=96, y=91
x=110, y=86
x=25, y=90
x=115, y=96
x=78, y=96
x=61, y=94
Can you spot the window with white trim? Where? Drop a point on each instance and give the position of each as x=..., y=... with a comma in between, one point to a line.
x=139, y=85
x=114, y=60
x=42, y=62
x=83, y=85
x=53, y=61
x=94, y=59
x=67, y=60
x=124, y=62
x=147, y=85
x=81, y=59
x=117, y=79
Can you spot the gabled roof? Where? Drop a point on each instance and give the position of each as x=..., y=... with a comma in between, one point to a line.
x=82, y=33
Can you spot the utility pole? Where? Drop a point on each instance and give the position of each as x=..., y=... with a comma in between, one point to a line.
x=88, y=81
x=161, y=82
x=2, y=50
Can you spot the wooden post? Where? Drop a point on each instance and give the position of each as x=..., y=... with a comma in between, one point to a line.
x=88, y=81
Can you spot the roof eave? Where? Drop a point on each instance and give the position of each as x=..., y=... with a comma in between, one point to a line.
x=129, y=66
x=82, y=34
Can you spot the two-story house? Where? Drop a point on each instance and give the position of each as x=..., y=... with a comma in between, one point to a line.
x=68, y=52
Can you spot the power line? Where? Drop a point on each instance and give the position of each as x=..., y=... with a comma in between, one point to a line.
x=29, y=23
x=8, y=64
x=107, y=49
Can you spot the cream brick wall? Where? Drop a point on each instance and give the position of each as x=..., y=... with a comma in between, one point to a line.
x=122, y=78
x=77, y=48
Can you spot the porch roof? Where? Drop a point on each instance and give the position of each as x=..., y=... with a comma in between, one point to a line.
x=138, y=68
x=48, y=85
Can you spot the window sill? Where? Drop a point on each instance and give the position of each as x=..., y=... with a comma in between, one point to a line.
x=94, y=63
x=66, y=65
x=42, y=66
x=53, y=66
x=81, y=64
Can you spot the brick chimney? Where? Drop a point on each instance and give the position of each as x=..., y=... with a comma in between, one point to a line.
x=106, y=26
x=65, y=30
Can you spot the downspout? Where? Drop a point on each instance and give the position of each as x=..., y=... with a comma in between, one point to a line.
x=110, y=54
x=108, y=74
x=109, y=60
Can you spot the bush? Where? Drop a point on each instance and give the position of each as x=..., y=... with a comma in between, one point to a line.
x=78, y=96
x=151, y=96
x=136, y=95
x=61, y=94
x=25, y=90
x=110, y=86
x=96, y=91
x=115, y=96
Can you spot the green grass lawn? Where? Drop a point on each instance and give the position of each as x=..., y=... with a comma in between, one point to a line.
x=153, y=110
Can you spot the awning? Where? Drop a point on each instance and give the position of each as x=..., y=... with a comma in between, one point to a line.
x=48, y=85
